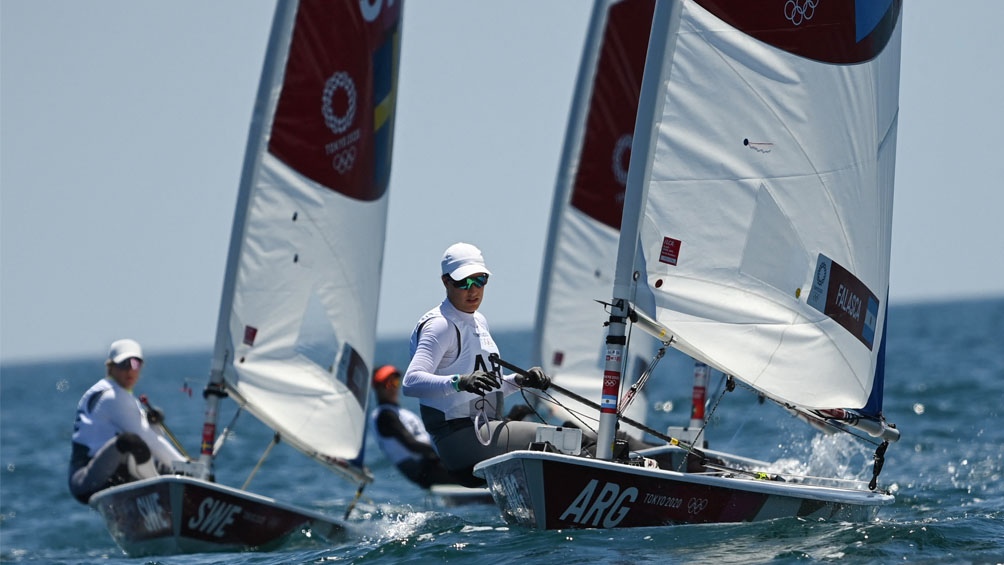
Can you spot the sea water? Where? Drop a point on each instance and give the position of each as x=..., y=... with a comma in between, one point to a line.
x=944, y=390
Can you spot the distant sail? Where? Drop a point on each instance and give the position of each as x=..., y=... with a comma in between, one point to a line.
x=588, y=202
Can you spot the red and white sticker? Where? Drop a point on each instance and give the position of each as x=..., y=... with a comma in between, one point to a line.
x=250, y=332
x=670, y=250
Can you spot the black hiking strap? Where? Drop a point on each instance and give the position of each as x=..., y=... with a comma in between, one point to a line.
x=456, y=328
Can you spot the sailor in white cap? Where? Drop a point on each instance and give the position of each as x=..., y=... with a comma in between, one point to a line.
x=460, y=390
x=113, y=441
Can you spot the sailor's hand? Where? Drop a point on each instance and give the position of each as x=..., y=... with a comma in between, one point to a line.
x=478, y=382
x=534, y=378
x=154, y=415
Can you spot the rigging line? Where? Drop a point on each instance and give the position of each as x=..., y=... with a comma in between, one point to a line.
x=585, y=421
x=807, y=479
x=580, y=416
x=729, y=387
x=726, y=383
x=221, y=438
x=668, y=439
x=760, y=475
x=268, y=450
x=773, y=476
x=835, y=425
x=548, y=397
x=163, y=426
x=481, y=419
x=642, y=380
x=359, y=494
x=627, y=397
x=718, y=390
x=530, y=405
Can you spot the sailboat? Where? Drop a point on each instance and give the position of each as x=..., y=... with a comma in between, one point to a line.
x=296, y=333
x=581, y=248
x=758, y=216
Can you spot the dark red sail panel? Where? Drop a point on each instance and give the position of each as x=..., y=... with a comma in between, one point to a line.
x=606, y=151
x=831, y=31
x=335, y=117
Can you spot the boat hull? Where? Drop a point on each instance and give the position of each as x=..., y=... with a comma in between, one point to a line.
x=174, y=515
x=555, y=491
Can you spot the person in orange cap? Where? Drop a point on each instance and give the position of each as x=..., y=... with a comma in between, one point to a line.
x=401, y=434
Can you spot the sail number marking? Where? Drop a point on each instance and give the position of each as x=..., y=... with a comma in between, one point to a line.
x=606, y=507
x=153, y=516
x=214, y=516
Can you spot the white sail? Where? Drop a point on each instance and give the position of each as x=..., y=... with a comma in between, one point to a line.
x=763, y=187
x=757, y=213
x=588, y=202
x=297, y=327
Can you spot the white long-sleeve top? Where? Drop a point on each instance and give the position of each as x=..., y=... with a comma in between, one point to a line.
x=436, y=356
x=107, y=409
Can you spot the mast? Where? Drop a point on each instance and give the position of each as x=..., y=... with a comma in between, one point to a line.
x=581, y=248
x=264, y=109
x=665, y=22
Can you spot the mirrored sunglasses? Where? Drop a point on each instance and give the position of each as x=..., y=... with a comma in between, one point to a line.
x=475, y=281
x=130, y=363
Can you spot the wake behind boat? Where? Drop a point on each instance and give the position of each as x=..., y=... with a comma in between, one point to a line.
x=297, y=326
x=755, y=238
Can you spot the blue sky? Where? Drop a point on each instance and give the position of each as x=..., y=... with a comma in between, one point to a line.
x=123, y=128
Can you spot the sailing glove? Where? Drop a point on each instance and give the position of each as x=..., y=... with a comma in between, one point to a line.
x=478, y=382
x=535, y=378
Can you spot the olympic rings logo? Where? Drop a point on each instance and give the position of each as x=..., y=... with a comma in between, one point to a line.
x=696, y=505
x=821, y=274
x=798, y=11
x=343, y=160
x=339, y=81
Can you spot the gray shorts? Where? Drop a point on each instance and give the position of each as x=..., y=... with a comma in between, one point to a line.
x=461, y=446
